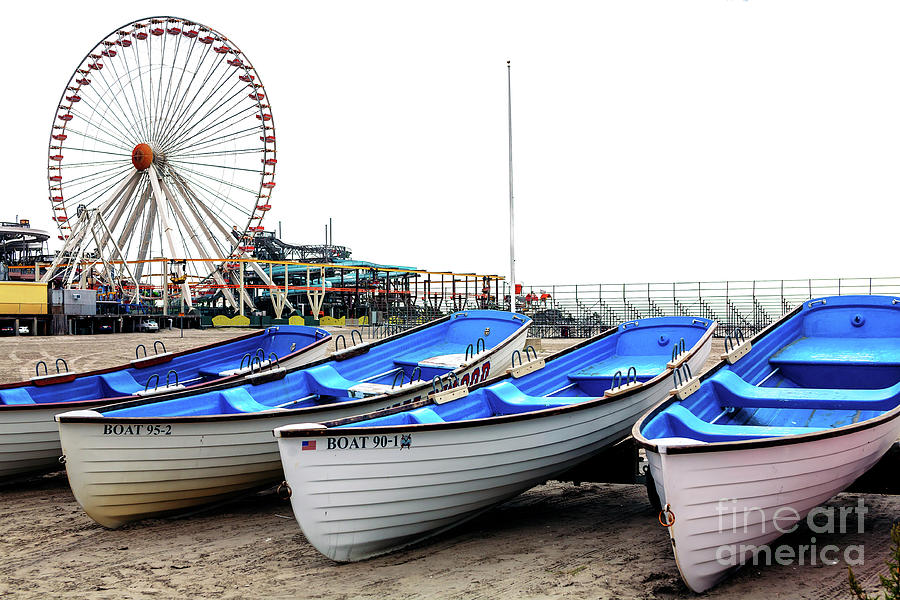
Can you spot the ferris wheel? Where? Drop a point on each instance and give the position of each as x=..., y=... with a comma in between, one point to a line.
x=163, y=145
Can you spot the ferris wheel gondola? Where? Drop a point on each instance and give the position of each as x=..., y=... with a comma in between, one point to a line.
x=163, y=145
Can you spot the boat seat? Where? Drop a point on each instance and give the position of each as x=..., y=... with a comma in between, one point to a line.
x=239, y=400
x=16, y=396
x=324, y=380
x=367, y=390
x=598, y=377
x=839, y=351
x=647, y=367
x=424, y=415
x=236, y=371
x=119, y=383
x=209, y=372
x=733, y=391
x=506, y=399
x=683, y=423
x=443, y=361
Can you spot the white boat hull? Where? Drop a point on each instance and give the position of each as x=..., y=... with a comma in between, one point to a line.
x=725, y=503
x=29, y=435
x=181, y=463
x=353, y=503
x=29, y=441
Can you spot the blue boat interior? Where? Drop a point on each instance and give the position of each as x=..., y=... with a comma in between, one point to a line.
x=835, y=363
x=570, y=378
x=189, y=369
x=384, y=368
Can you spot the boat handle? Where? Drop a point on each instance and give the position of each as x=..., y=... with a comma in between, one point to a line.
x=147, y=385
x=479, y=344
x=399, y=374
x=63, y=361
x=283, y=490
x=261, y=355
x=514, y=355
x=138, y=347
x=256, y=361
x=416, y=374
x=629, y=324
x=436, y=384
x=341, y=338
x=736, y=337
x=470, y=350
x=155, y=351
x=669, y=516
x=529, y=349
x=631, y=377
x=682, y=375
x=455, y=378
x=38, y=364
x=353, y=340
x=814, y=302
x=617, y=380
x=273, y=357
x=171, y=371
x=249, y=358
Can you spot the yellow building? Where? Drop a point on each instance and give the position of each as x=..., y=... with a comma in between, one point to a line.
x=23, y=298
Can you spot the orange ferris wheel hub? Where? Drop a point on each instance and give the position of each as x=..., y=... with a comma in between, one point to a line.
x=142, y=157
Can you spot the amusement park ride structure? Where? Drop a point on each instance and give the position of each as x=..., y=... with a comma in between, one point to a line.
x=21, y=243
x=163, y=145
x=161, y=167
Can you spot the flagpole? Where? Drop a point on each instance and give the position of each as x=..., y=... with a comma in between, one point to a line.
x=512, y=227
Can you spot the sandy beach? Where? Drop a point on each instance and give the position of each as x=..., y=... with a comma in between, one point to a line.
x=558, y=540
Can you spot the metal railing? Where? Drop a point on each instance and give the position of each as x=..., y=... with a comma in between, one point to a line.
x=586, y=309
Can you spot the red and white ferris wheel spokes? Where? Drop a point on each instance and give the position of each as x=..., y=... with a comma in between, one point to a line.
x=165, y=130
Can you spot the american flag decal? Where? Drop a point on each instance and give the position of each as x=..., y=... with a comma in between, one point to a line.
x=307, y=445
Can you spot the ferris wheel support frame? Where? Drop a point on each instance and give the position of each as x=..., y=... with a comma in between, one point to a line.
x=108, y=270
x=158, y=198
x=213, y=271
x=90, y=223
x=274, y=290
x=132, y=182
x=76, y=238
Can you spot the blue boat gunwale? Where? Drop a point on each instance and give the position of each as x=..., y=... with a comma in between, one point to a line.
x=330, y=430
x=783, y=440
x=212, y=384
x=66, y=418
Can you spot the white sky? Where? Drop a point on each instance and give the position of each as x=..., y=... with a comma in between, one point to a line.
x=653, y=141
